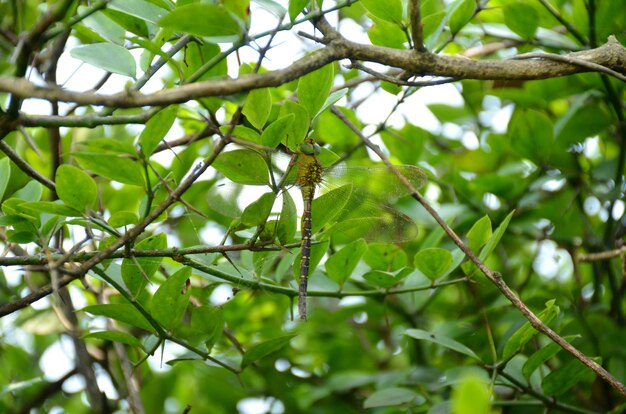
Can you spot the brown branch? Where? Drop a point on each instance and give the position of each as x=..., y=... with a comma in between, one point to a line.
x=612, y=55
x=574, y=61
x=26, y=167
x=417, y=30
x=593, y=257
x=493, y=276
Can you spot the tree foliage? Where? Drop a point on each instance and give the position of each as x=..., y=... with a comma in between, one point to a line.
x=168, y=291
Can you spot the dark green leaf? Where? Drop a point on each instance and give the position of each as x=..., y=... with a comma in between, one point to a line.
x=433, y=262
x=263, y=349
x=141, y=9
x=75, y=187
x=441, y=340
x=341, y=264
x=257, y=107
x=123, y=312
x=242, y=166
x=460, y=12
x=522, y=18
x=479, y=234
x=107, y=56
x=156, y=129
x=390, y=397
x=137, y=271
x=390, y=10
x=313, y=89
x=566, y=376
x=210, y=321
x=542, y=355
x=495, y=239
x=113, y=167
x=115, y=336
x=170, y=301
x=297, y=130
x=386, y=280
x=257, y=212
x=276, y=132
x=202, y=19
x=242, y=132
x=123, y=218
x=526, y=332
x=531, y=135
x=5, y=175
x=295, y=7
x=287, y=223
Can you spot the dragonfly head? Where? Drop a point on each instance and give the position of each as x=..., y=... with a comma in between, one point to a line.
x=310, y=147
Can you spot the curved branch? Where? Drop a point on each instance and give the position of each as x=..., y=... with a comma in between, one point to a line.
x=611, y=55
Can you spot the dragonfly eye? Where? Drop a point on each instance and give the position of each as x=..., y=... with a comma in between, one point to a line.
x=310, y=148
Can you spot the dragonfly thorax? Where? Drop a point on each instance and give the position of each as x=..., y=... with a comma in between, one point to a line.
x=309, y=172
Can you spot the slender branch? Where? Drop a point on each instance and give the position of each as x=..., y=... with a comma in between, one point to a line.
x=494, y=277
x=26, y=167
x=610, y=254
x=290, y=292
x=574, y=61
x=554, y=12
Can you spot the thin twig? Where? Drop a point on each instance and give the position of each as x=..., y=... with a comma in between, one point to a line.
x=494, y=277
x=554, y=12
x=573, y=61
x=417, y=30
x=25, y=166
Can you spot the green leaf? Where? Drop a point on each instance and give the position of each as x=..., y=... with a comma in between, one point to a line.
x=479, y=234
x=276, y=132
x=242, y=166
x=123, y=312
x=495, y=239
x=32, y=191
x=5, y=175
x=115, y=336
x=526, y=332
x=22, y=236
x=327, y=206
x=257, y=107
x=107, y=56
x=123, y=218
x=138, y=8
x=433, y=262
x=113, y=167
x=341, y=264
x=333, y=98
x=314, y=88
x=258, y=351
x=386, y=280
x=75, y=187
x=522, y=18
x=387, y=34
x=390, y=10
x=287, y=222
x=460, y=12
x=531, y=134
x=202, y=19
x=542, y=355
x=242, y=132
x=441, y=340
x=295, y=7
x=392, y=397
x=471, y=396
x=256, y=213
x=210, y=321
x=566, y=376
x=170, y=301
x=136, y=271
x=299, y=127
x=156, y=129
x=51, y=207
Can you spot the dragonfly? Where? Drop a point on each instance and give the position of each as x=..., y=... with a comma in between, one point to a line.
x=359, y=218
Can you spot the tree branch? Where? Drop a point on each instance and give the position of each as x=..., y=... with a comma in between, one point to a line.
x=417, y=30
x=612, y=55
